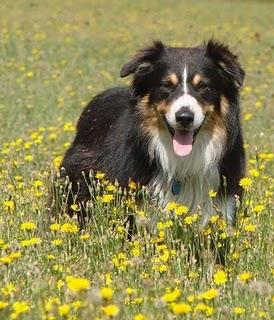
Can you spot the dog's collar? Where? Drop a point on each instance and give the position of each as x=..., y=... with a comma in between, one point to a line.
x=175, y=187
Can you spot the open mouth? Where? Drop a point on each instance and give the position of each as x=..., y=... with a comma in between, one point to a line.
x=182, y=139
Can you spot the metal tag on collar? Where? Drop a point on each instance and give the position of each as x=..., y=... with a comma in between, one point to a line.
x=175, y=187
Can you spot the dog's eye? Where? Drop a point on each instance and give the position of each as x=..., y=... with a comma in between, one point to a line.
x=168, y=86
x=202, y=86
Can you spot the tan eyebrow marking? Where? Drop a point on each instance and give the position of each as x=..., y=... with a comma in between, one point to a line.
x=197, y=79
x=173, y=78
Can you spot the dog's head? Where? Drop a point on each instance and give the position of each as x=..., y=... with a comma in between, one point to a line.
x=184, y=90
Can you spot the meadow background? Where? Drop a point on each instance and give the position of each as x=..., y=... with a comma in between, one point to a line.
x=54, y=57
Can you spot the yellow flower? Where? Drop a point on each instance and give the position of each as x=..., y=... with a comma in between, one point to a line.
x=69, y=228
x=201, y=307
x=75, y=207
x=77, y=284
x=245, y=183
x=220, y=277
x=106, y=293
x=212, y=194
x=180, y=210
x=129, y=291
x=111, y=188
x=209, y=294
x=181, y=308
x=64, y=310
x=77, y=304
x=15, y=255
x=28, y=226
x=38, y=183
x=3, y=304
x=8, y=290
x=171, y=206
x=107, y=198
x=55, y=227
x=84, y=236
x=132, y=185
x=214, y=218
x=238, y=310
x=9, y=205
x=51, y=302
x=139, y=316
x=57, y=162
x=259, y=208
x=250, y=227
x=172, y=296
x=111, y=310
x=68, y=126
x=245, y=276
x=57, y=242
x=108, y=279
x=19, y=308
x=138, y=300
x=6, y=260
x=247, y=116
x=191, y=219
x=29, y=158
x=29, y=74
x=254, y=173
x=99, y=175
x=30, y=242
x=193, y=275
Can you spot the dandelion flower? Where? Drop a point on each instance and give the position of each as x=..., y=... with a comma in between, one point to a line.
x=106, y=293
x=107, y=198
x=139, y=316
x=19, y=308
x=3, y=304
x=245, y=183
x=191, y=219
x=181, y=308
x=69, y=228
x=75, y=207
x=212, y=193
x=9, y=205
x=55, y=227
x=64, y=310
x=210, y=294
x=238, y=310
x=77, y=284
x=172, y=296
x=245, y=276
x=220, y=277
x=99, y=175
x=250, y=227
x=30, y=242
x=111, y=310
x=28, y=226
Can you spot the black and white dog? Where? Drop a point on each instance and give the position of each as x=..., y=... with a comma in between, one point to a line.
x=176, y=129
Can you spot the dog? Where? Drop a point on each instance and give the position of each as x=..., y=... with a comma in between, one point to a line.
x=175, y=129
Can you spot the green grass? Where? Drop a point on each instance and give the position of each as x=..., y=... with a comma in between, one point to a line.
x=54, y=57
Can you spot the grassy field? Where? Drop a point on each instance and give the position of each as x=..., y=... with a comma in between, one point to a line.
x=54, y=56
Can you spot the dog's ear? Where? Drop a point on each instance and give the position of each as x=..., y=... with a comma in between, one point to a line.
x=227, y=61
x=142, y=62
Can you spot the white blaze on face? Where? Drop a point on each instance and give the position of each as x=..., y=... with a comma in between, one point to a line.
x=185, y=79
x=182, y=139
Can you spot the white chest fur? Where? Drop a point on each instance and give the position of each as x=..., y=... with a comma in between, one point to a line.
x=197, y=173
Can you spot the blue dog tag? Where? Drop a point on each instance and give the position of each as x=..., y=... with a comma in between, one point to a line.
x=175, y=187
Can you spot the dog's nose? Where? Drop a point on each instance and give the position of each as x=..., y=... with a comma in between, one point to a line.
x=184, y=117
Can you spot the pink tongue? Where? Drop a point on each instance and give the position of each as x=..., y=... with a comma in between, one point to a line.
x=182, y=142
